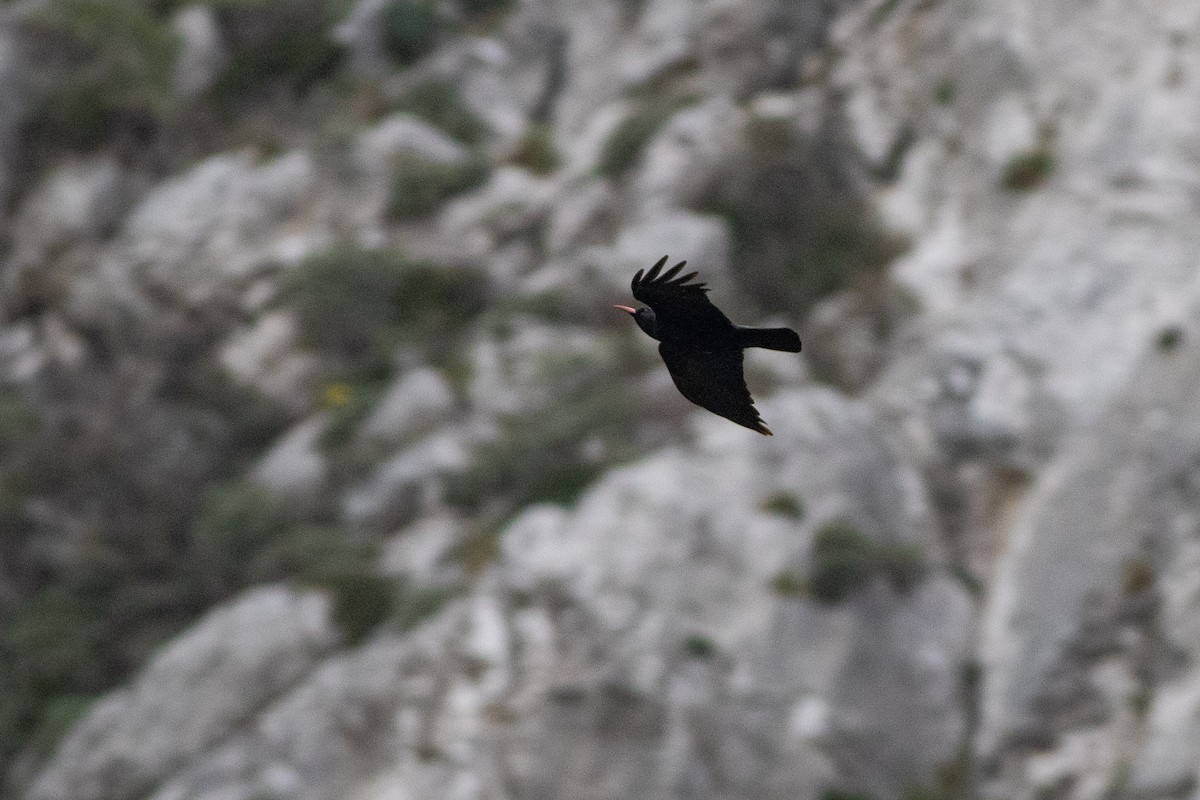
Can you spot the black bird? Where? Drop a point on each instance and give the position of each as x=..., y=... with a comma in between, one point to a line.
x=701, y=347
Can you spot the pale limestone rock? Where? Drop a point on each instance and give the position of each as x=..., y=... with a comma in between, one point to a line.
x=202, y=54
x=204, y=236
x=267, y=357
x=408, y=482
x=405, y=136
x=417, y=400
x=294, y=466
x=58, y=226
x=511, y=203
x=192, y=696
x=583, y=216
x=1095, y=553
x=519, y=372
x=703, y=240
x=686, y=157
x=422, y=553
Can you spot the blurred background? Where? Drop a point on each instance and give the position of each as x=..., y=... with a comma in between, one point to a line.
x=328, y=471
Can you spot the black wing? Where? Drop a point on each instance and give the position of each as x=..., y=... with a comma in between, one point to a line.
x=677, y=301
x=713, y=380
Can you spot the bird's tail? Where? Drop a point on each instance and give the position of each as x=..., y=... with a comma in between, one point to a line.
x=784, y=339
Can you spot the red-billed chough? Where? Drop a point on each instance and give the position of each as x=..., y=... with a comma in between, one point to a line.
x=701, y=347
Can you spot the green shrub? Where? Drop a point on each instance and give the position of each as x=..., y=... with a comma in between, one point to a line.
x=785, y=504
x=788, y=583
x=51, y=646
x=799, y=229
x=625, y=144
x=297, y=52
x=477, y=7
x=56, y=717
x=903, y=564
x=52, y=641
x=538, y=456
x=971, y=582
x=1168, y=339
x=944, y=93
x=439, y=103
x=409, y=29
x=421, y=186
x=344, y=418
x=361, y=603
x=234, y=524
x=842, y=560
x=119, y=59
x=536, y=152
x=807, y=252
x=417, y=605
x=699, y=647
x=478, y=550
x=244, y=535
x=252, y=420
x=354, y=306
x=834, y=794
x=1026, y=171
x=310, y=553
x=17, y=418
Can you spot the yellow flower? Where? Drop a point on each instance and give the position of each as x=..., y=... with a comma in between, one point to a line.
x=336, y=395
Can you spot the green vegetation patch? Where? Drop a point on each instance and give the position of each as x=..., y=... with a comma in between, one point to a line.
x=842, y=558
x=243, y=536
x=944, y=92
x=624, y=146
x=287, y=44
x=784, y=504
x=478, y=550
x=699, y=647
x=420, y=186
x=355, y=305
x=52, y=645
x=118, y=58
x=17, y=418
x=800, y=229
x=1029, y=170
x=1168, y=339
x=439, y=103
x=361, y=603
x=1137, y=576
x=789, y=583
x=539, y=455
x=536, y=151
x=409, y=29
x=474, y=7
x=416, y=605
x=235, y=522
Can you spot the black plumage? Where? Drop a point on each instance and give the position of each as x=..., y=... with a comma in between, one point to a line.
x=700, y=346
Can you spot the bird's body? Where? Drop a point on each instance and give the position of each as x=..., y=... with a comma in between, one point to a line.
x=700, y=346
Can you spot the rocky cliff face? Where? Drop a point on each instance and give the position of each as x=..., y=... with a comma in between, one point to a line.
x=325, y=472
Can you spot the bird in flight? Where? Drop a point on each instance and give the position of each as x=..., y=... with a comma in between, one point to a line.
x=700, y=346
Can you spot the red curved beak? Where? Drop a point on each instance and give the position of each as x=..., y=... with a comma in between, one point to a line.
x=627, y=309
